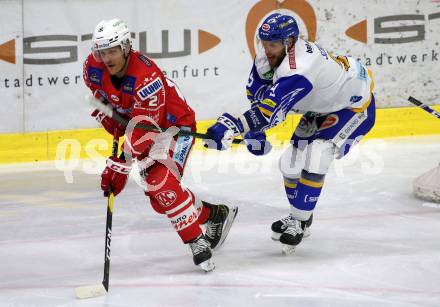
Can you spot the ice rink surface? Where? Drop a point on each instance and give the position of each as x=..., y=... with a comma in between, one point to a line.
x=372, y=242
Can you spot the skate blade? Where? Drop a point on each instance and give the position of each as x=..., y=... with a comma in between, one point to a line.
x=229, y=221
x=207, y=265
x=306, y=233
x=288, y=249
x=276, y=236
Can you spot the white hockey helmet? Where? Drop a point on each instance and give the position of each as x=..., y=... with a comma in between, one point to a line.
x=108, y=34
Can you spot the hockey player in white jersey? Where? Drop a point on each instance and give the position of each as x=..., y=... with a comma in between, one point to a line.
x=334, y=94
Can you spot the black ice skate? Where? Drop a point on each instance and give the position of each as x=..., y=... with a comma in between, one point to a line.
x=219, y=223
x=202, y=254
x=290, y=232
x=280, y=226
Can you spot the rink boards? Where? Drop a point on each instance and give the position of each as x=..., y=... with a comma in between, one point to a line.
x=87, y=143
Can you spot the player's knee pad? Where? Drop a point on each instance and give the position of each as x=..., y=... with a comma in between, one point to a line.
x=319, y=157
x=316, y=158
x=155, y=204
x=292, y=162
x=162, y=187
x=168, y=197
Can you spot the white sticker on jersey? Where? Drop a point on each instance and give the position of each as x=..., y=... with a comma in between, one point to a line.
x=150, y=89
x=351, y=125
x=182, y=149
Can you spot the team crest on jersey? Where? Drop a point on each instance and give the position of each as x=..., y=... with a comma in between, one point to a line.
x=150, y=89
x=128, y=85
x=166, y=198
x=330, y=121
x=95, y=75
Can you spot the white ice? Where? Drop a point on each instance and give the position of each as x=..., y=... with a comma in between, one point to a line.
x=372, y=242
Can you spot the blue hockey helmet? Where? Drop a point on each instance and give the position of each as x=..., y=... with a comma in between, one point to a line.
x=278, y=27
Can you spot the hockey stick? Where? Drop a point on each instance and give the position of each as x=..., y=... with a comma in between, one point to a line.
x=102, y=289
x=107, y=110
x=424, y=106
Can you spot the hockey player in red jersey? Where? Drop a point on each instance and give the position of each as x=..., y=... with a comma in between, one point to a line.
x=136, y=88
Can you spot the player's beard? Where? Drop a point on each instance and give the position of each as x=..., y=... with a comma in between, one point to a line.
x=276, y=61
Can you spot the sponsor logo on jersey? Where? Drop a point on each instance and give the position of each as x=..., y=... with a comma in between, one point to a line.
x=95, y=75
x=184, y=220
x=310, y=199
x=322, y=50
x=362, y=72
x=103, y=94
x=309, y=47
x=145, y=59
x=330, y=121
x=255, y=119
x=354, y=99
x=166, y=198
x=350, y=127
x=150, y=89
x=114, y=98
x=293, y=195
x=268, y=75
x=128, y=85
x=292, y=60
x=122, y=110
x=171, y=118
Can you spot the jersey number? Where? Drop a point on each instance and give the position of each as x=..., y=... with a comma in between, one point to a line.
x=153, y=101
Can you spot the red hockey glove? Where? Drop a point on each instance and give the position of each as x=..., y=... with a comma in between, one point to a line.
x=108, y=123
x=115, y=175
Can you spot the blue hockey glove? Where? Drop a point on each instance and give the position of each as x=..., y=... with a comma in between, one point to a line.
x=223, y=132
x=256, y=143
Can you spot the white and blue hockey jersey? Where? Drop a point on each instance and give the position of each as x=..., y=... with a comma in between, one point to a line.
x=308, y=79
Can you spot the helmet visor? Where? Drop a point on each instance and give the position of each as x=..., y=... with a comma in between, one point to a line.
x=100, y=44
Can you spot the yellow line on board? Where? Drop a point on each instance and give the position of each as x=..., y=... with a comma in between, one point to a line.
x=86, y=143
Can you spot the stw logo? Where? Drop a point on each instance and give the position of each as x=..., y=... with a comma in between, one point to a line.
x=63, y=48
